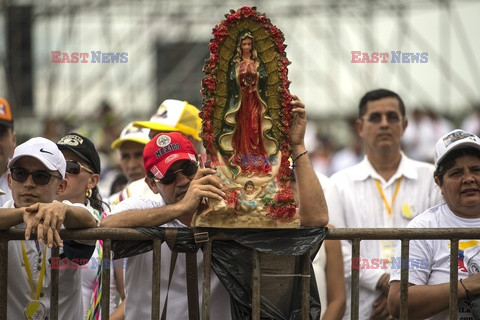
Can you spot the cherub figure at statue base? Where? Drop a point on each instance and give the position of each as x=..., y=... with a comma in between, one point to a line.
x=246, y=204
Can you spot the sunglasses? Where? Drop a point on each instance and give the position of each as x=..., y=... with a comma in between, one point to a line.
x=187, y=169
x=376, y=117
x=74, y=167
x=40, y=177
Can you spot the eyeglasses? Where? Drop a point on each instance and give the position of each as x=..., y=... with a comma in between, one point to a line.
x=187, y=169
x=74, y=167
x=376, y=117
x=40, y=177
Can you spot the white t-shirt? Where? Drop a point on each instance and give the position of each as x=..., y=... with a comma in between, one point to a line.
x=354, y=201
x=429, y=262
x=138, y=278
x=19, y=292
x=135, y=189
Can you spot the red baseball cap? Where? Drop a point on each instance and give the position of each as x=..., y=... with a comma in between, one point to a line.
x=164, y=150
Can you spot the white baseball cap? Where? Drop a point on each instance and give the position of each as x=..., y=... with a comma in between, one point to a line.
x=175, y=115
x=132, y=133
x=453, y=140
x=43, y=150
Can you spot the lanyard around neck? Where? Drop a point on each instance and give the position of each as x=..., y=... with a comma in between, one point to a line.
x=29, y=272
x=387, y=205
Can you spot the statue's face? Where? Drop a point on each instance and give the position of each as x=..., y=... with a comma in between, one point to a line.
x=246, y=45
x=249, y=189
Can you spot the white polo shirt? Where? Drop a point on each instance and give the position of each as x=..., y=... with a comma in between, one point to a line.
x=354, y=201
x=19, y=293
x=135, y=189
x=138, y=278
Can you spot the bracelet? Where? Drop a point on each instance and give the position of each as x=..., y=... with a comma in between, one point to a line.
x=296, y=158
x=467, y=292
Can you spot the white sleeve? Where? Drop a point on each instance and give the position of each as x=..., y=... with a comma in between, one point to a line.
x=420, y=257
x=136, y=204
x=76, y=204
x=338, y=217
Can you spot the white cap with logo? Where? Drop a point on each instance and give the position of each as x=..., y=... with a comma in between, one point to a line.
x=43, y=150
x=454, y=140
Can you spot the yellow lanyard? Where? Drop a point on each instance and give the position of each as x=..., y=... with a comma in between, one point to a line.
x=387, y=205
x=29, y=272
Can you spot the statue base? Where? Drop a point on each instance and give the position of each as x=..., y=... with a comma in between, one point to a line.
x=230, y=218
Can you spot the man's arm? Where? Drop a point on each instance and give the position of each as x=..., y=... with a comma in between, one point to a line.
x=335, y=281
x=142, y=217
x=424, y=301
x=10, y=217
x=312, y=204
x=78, y=217
x=47, y=220
x=205, y=184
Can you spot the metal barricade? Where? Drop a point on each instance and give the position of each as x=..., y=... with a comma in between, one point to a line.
x=405, y=235
x=355, y=235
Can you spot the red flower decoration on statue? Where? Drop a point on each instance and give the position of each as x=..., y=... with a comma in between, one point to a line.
x=285, y=208
x=231, y=198
x=209, y=82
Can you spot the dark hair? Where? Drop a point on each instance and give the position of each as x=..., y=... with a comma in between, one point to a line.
x=96, y=200
x=377, y=95
x=4, y=130
x=248, y=183
x=118, y=183
x=449, y=161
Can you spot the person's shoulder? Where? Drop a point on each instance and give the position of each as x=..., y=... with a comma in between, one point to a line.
x=324, y=180
x=136, y=203
x=430, y=218
x=420, y=164
x=348, y=173
x=8, y=204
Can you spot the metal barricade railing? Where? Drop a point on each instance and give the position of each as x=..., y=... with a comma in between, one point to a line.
x=355, y=235
x=86, y=234
x=405, y=235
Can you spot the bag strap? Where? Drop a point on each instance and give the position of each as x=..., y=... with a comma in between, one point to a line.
x=170, y=237
x=173, y=260
x=192, y=286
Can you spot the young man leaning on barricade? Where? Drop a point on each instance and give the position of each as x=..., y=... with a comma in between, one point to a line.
x=36, y=176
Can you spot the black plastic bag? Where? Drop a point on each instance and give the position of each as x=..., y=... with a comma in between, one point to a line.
x=232, y=263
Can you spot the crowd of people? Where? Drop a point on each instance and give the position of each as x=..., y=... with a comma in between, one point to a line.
x=50, y=185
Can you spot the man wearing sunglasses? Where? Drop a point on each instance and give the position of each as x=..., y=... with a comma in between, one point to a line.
x=170, y=164
x=385, y=190
x=36, y=176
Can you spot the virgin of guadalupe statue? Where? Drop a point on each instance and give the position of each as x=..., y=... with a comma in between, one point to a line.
x=246, y=118
x=247, y=112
